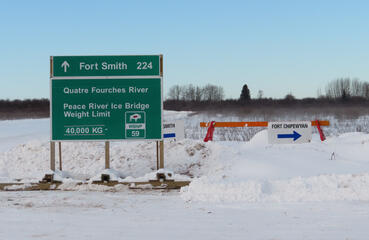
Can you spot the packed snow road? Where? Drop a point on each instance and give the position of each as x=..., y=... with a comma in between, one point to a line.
x=162, y=215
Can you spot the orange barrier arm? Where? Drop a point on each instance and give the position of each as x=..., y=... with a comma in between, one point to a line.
x=252, y=124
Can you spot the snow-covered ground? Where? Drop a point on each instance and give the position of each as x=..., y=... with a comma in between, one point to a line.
x=239, y=190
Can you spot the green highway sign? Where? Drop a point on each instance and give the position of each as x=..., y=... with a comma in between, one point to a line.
x=106, y=108
x=95, y=66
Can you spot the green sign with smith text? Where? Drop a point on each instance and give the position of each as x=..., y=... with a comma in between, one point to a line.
x=82, y=66
x=106, y=109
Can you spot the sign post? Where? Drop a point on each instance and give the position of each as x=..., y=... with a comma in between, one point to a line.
x=107, y=155
x=161, y=154
x=52, y=156
x=60, y=157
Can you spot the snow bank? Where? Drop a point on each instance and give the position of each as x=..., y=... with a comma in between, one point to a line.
x=256, y=171
x=250, y=171
x=316, y=188
x=85, y=160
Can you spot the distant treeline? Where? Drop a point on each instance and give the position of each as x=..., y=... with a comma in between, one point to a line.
x=264, y=103
x=28, y=108
x=351, y=107
x=343, y=96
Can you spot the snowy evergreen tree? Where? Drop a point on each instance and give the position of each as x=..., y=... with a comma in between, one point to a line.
x=245, y=94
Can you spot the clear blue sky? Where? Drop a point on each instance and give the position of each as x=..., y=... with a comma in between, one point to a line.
x=274, y=46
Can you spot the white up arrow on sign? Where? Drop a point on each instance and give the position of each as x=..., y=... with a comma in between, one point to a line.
x=65, y=65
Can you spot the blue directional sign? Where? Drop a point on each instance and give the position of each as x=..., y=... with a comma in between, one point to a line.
x=289, y=132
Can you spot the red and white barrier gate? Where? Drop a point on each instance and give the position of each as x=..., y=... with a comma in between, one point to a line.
x=212, y=125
